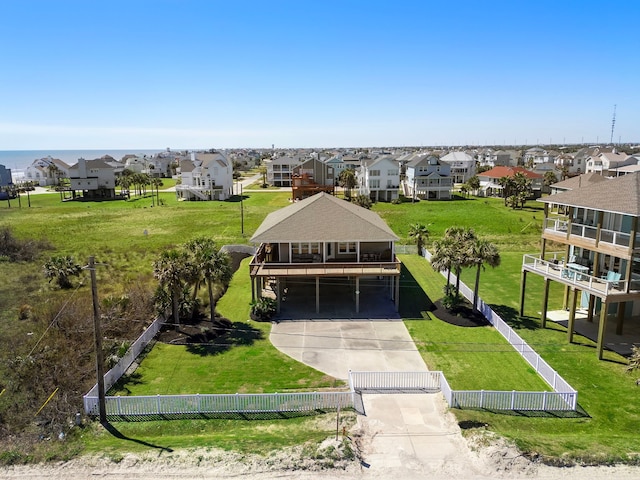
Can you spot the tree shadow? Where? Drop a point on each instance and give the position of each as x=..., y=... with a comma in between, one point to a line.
x=237, y=198
x=414, y=302
x=126, y=380
x=238, y=334
x=116, y=433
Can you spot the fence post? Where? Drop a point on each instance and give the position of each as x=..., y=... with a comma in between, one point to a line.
x=544, y=400
x=198, y=402
x=555, y=376
x=513, y=398
x=237, y=402
x=481, y=398
x=158, y=404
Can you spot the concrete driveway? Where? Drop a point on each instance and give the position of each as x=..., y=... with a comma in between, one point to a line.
x=400, y=435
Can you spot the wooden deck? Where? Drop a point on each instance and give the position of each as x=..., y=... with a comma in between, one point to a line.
x=361, y=269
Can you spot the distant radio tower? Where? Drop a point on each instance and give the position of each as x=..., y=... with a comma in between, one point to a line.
x=613, y=123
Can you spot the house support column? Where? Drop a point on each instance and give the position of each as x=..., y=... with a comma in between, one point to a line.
x=545, y=302
x=592, y=301
x=397, y=284
x=278, y=294
x=357, y=294
x=523, y=286
x=253, y=289
x=620, y=319
x=602, y=327
x=565, y=298
x=317, y=294
x=572, y=315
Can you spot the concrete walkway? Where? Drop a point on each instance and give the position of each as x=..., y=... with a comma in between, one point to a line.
x=401, y=435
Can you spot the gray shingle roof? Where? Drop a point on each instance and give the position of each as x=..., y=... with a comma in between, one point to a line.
x=619, y=195
x=580, y=181
x=323, y=218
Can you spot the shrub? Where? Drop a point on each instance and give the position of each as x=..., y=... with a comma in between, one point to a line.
x=263, y=309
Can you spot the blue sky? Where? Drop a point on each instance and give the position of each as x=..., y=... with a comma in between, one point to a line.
x=203, y=74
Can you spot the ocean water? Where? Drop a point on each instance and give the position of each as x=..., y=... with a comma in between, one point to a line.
x=18, y=160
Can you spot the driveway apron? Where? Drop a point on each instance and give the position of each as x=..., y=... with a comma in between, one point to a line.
x=407, y=434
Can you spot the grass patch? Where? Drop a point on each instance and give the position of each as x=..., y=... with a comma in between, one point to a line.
x=245, y=361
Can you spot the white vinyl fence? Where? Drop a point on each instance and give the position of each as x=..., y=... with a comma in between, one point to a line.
x=395, y=381
x=184, y=405
x=563, y=395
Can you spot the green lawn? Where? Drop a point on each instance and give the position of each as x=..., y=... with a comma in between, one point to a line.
x=243, y=362
x=605, y=429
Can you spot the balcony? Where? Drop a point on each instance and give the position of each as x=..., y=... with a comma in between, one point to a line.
x=580, y=277
x=555, y=228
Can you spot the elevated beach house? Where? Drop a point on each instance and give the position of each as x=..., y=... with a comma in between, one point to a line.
x=595, y=229
x=323, y=238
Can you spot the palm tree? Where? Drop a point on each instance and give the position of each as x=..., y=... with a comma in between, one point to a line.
x=172, y=269
x=482, y=252
x=419, y=234
x=474, y=184
x=442, y=257
x=461, y=239
x=61, y=268
x=210, y=265
x=347, y=180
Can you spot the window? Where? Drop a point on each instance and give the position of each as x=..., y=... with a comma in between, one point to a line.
x=374, y=173
x=305, y=248
x=374, y=183
x=392, y=173
x=347, y=247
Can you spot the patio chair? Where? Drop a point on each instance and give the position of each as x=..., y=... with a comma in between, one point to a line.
x=612, y=277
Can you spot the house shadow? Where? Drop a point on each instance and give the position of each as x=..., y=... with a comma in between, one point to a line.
x=511, y=316
x=414, y=302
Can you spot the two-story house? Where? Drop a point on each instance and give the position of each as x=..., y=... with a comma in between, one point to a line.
x=597, y=228
x=96, y=179
x=606, y=163
x=311, y=177
x=463, y=166
x=379, y=178
x=323, y=239
x=46, y=171
x=427, y=178
x=280, y=169
x=206, y=176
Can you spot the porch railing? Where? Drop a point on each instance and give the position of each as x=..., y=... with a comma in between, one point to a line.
x=568, y=275
x=561, y=225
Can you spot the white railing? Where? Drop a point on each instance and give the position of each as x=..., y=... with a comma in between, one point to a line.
x=548, y=374
x=385, y=381
x=568, y=274
x=168, y=405
x=613, y=237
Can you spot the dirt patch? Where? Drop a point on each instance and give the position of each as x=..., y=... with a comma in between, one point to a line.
x=462, y=316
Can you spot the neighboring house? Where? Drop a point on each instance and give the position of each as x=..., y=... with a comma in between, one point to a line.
x=606, y=163
x=490, y=181
x=379, y=179
x=5, y=176
x=337, y=164
x=96, y=179
x=580, y=181
x=46, y=171
x=598, y=229
x=463, y=166
x=206, y=176
x=537, y=155
x=497, y=158
x=311, y=177
x=323, y=238
x=428, y=178
x=280, y=169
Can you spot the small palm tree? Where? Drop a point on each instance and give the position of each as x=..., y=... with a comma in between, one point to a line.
x=61, y=268
x=172, y=269
x=461, y=239
x=482, y=252
x=419, y=233
x=347, y=180
x=442, y=258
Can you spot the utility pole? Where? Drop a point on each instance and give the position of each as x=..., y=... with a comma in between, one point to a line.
x=241, y=211
x=102, y=407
